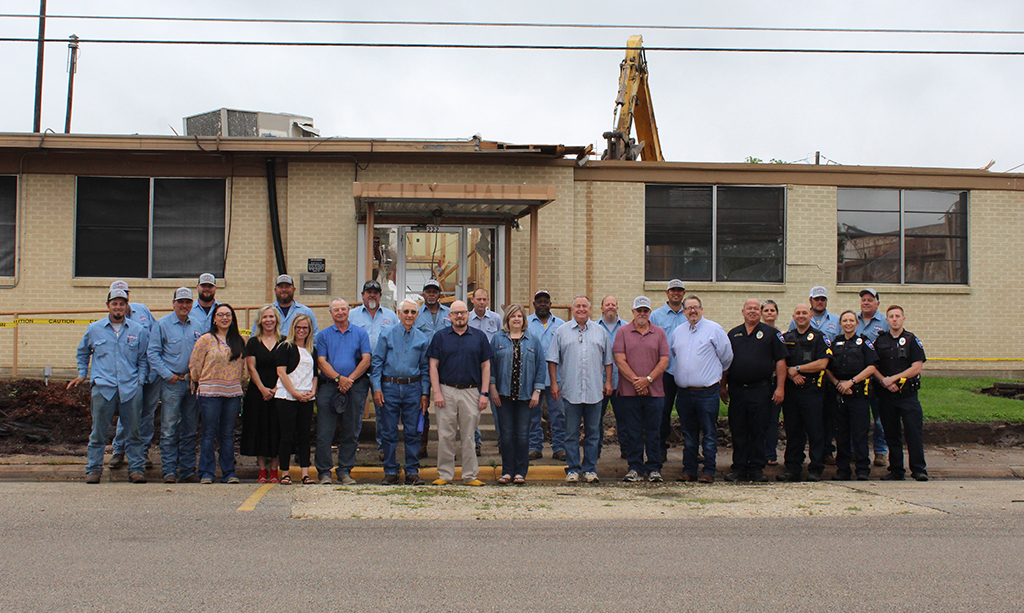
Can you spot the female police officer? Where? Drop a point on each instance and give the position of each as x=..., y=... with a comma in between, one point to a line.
x=853, y=363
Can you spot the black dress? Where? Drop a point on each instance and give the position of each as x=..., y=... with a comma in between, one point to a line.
x=260, y=430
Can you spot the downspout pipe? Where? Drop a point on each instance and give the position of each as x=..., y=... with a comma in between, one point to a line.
x=275, y=219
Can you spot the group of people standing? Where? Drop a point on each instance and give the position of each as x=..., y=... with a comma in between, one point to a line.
x=462, y=360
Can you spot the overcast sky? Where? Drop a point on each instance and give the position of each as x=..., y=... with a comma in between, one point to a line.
x=899, y=110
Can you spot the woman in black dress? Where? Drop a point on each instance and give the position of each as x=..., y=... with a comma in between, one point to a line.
x=260, y=430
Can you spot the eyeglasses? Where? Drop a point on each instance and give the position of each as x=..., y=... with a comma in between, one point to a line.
x=691, y=308
x=223, y=314
x=409, y=311
x=458, y=313
x=297, y=328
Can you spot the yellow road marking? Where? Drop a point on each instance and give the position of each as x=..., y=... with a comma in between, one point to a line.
x=251, y=502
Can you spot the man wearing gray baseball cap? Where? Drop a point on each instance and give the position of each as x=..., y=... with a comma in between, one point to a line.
x=205, y=303
x=288, y=307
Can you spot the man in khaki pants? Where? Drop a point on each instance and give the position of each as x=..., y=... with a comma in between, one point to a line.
x=460, y=374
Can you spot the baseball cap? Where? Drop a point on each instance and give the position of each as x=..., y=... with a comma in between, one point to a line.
x=284, y=279
x=117, y=293
x=869, y=290
x=676, y=284
x=183, y=293
x=371, y=285
x=641, y=302
x=542, y=292
x=207, y=279
x=818, y=292
x=121, y=285
x=431, y=283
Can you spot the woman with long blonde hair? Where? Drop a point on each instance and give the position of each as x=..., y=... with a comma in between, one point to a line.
x=296, y=374
x=261, y=432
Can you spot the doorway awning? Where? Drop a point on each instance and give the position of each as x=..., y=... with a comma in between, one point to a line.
x=455, y=203
x=449, y=201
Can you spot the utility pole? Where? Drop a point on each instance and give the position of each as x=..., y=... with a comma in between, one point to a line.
x=38, y=119
x=72, y=69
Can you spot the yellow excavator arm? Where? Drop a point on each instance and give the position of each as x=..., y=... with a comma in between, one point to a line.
x=633, y=107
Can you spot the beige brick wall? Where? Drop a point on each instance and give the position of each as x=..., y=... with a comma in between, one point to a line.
x=591, y=241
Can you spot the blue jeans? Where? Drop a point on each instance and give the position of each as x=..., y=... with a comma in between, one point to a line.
x=102, y=412
x=335, y=409
x=556, y=417
x=590, y=415
x=698, y=415
x=179, y=418
x=514, y=435
x=219, y=416
x=150, y=398
x=639, y=421
x=401, y=402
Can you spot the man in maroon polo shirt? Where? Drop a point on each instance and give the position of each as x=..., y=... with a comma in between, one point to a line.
x=641, y=353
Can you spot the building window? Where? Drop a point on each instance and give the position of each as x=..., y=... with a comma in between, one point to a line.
x=8, y=224
x=902, y=236
x=716, y=233
x=149, y=228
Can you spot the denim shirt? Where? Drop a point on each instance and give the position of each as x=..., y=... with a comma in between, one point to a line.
x=170, y=346
x=119, y=364
x=532, y=368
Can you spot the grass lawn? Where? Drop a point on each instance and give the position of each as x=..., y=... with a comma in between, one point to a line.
x=955, y=399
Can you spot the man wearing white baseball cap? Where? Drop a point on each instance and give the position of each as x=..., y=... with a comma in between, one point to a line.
x=206, y=302
x=288, y=307
x=150, y=390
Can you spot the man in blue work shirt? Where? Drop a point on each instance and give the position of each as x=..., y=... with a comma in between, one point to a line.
x=544, y=323
x=117, y=347
x=206, y=302
x=611, y=322
x=870, y=324
x=487, y=321
x=286, y=305
x=343, y=354
x=433, y=316
x=668, y=317
x=400, y=377
x=150, y=390
x=170, y=347
x=373, y=318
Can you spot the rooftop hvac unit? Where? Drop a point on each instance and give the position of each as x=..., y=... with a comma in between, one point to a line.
x=232, y=122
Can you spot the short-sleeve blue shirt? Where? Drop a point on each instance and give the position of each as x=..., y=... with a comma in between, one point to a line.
x=459, y=355
x=343, y=350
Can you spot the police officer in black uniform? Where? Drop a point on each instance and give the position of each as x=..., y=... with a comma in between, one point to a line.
x=758, y=352
x=853, y=364
x=808, y=357
x=900, y=358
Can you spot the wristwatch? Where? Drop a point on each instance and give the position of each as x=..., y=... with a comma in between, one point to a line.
x=337, y=379
x=649, y=379
x=798, y=368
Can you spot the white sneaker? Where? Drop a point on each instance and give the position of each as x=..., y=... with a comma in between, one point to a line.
x=632, y=477
x=572, y=477
x=591, y=478
x=655, y=477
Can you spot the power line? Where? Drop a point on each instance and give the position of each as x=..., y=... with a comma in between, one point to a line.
x=492, y=24
x=263, y=43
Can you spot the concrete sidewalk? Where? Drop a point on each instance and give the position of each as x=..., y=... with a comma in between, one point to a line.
x=944, y=462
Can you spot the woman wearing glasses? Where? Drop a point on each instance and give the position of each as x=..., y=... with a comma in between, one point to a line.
x=517, y=379
x=216, y=368
x=296, y=372
x=260, y=429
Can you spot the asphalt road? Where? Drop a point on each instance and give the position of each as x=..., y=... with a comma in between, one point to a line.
x=119, y=547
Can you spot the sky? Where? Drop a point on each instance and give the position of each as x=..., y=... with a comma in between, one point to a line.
x=952, y=111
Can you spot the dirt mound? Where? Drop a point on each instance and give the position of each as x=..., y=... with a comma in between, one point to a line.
x=35, y=417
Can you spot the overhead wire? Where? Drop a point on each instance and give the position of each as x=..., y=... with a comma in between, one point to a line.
x=496, y=24
x=649, y=49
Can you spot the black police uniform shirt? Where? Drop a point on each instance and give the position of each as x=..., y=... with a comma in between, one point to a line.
x=755, y=354
x=851, y=356
x=895, y=355
x=804, y=348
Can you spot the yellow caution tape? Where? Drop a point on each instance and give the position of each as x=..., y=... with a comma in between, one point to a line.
x=8, y=324
x=245, y=332
x=53, y=321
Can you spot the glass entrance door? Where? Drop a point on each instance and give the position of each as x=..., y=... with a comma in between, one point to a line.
x=461, y=258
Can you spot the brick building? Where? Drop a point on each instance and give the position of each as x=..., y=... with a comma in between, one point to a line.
x=77, y=212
